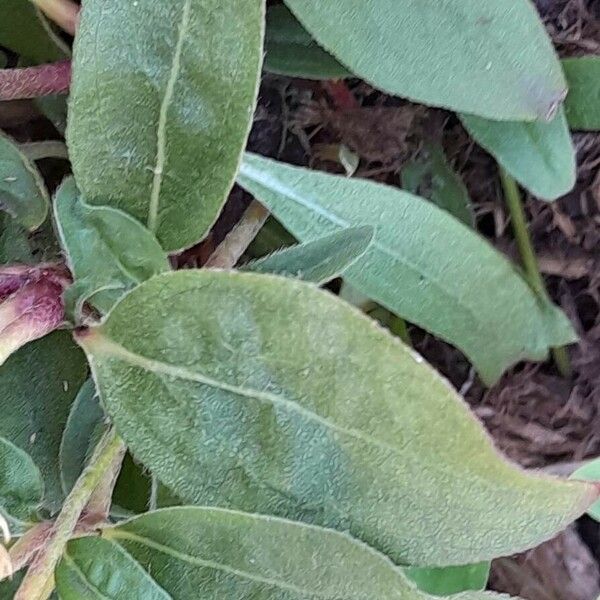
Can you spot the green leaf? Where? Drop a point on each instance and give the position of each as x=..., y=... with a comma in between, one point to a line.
x=540, y=156
x=211, y=553
x=22, y=191
x=26, y=31
x=449, y=580
x=21, y=485
x=583, y=102
x=83, y=430
x=14, y=242
x=438, y=182
x=269, y=395
x=590, y=472
x=422, y=264
x=484, y=57
x=161, y=106
x=319, y=261
x=108, y=251
x=38, y=385
x=291, y=51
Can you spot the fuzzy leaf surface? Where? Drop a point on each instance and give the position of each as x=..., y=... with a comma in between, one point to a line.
x=583, y=102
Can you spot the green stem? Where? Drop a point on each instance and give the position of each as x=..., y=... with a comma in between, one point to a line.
x=399, y=327
x=37, y=584
x=528, y=257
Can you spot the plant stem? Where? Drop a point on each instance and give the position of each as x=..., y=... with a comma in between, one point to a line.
x=64, y=13
x=399, y=327
x=44, y=149
x=230, y=250
x=37, y=584
x=528, y=257
x=33, y=82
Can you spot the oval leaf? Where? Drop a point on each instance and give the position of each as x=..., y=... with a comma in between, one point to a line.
x=540, y=156
x=319, y=261
x=38, y=385
x=211, y=553
x=583, y=102
x=21, y=485
x=422, y=264
x=290, y=49
x=269, y=395
x=161, y=105
x=108, y=251
x=23, y=194
x=484, y=57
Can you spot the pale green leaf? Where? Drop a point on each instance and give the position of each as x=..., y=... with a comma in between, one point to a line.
x=269, y=395
x=583, y=102
x=25, y=31
x=290, y=49
x=21, y=485
x=108, y=251
x=483, y=57
x=161, y=106
x=82, y=431
x=23, y=194
x=590, y=472
x=320, y=261
x=540, y=156
x=422, y=264
x=213, y=554
x=38, y=385
x=443, y=581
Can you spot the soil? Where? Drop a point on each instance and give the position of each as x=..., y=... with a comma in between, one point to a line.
x=537, y=417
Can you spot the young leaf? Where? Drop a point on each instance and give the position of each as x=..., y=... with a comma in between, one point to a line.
x=38, y=385
x=84, y=427
x=319, y=261
x=211, y=553
x=449, y=580
x=583, y=102
x=422, y=264
x=484, y=57
x=21, y=485
x=590, y=472
x=26, y=31
x=269, y=395
x=540, y=156
x=290, y=49
x=161, y=105
x=108, y=251
x=23, y=194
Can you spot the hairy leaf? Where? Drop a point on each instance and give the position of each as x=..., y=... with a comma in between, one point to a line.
x=108, y=251
x=540, y=156
x=38, y=385
x=269, y=395
x=21, y=485
x=161, y=105
x=590, y=472
x=211, y=553
x=422, y=264
x=319, y=261
x=14, y=242
x=23, y=194
x=26, y=31
x=483, y=57
x=583, y=102
x=449, y=580
x=290, y=49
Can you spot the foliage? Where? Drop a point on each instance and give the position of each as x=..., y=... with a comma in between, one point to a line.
x=239, y=432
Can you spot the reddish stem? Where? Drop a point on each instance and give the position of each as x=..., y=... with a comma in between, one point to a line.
x=341, y=96
x=33, y=82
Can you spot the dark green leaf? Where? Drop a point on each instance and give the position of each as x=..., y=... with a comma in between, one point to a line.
x=54, y=109
x=161, y=106
x=290, y=49
x=449, y=580
x=23, y=194
x=14, y=242
x=108, y=251
x=484, y=57
x=269, y=395
x=319, y=261
x=21, y=485
x=422, y=264
x=540, y=156
x=24, y=30
x=583, y=102
x=216, y=554
x=38, y=385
